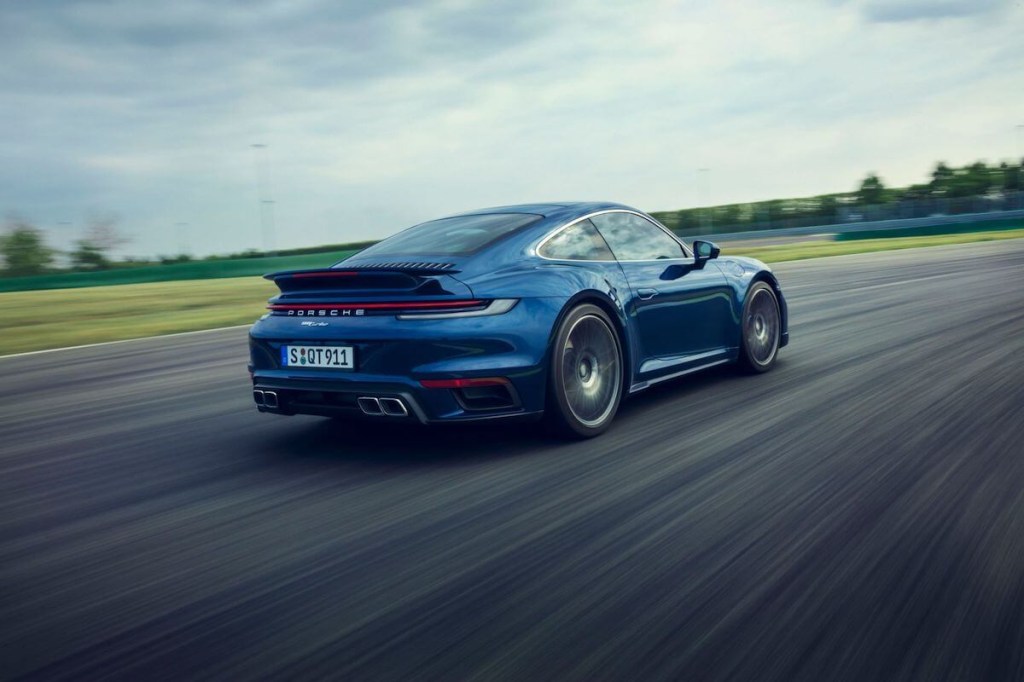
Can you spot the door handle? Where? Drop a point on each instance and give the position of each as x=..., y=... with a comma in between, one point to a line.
x=646, y=294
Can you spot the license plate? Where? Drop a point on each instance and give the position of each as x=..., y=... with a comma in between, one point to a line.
x=327, y=357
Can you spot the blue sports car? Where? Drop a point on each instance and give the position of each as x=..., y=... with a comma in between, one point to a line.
x=540, y=310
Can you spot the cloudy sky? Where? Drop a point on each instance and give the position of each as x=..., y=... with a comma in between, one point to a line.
x=376, y=115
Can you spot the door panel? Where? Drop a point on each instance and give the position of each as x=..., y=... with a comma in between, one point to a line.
x=681, y=314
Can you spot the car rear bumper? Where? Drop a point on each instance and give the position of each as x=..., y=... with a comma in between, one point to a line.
x=394, y=357
x=375, y=401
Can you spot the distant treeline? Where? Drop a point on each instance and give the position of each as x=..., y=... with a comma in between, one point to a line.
x=240, y=255
x=973, y=188
x=191, y=270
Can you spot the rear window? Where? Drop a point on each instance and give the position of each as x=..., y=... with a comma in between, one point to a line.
x=458, y=236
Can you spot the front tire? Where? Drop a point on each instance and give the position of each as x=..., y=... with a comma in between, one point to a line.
x=585, y=378
x=761, y=329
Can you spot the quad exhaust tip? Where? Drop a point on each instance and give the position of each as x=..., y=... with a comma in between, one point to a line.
x=393, y=407
x=382, y=407
x=370, y=406
x=265, y=398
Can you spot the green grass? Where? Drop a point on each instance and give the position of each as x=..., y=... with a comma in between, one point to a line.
x=36, y=320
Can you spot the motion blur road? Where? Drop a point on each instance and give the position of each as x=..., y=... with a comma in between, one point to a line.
x=856, y=514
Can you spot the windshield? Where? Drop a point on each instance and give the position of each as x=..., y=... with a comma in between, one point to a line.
x=458, y=236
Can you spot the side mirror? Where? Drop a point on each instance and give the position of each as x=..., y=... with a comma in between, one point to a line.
x=703, y=252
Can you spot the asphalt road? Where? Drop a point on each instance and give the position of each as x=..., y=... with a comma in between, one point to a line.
x=858, y=513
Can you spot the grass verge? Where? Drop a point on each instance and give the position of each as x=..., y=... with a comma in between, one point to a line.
x=37, y=320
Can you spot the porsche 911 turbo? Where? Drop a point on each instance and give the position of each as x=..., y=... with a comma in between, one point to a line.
x=554, y=311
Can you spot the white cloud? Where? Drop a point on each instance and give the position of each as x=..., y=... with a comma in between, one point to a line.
x=380, y=115
x=929, y=10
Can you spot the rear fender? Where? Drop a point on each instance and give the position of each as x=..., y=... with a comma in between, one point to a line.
x=605, y=301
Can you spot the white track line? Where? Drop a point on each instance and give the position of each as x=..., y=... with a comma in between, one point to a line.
x=111, y=343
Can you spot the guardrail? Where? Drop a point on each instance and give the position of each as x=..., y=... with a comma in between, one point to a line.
x=839, y=228
x=201, y=269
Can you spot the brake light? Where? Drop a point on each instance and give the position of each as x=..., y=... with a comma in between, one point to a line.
x=464, y=383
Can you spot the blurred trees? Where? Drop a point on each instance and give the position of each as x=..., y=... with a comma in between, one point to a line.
x=1013, y=176
x=93, y=252
x=942, y=176
x=948, y=190
x=23, y=249
x=88, y=256
x=871, y=191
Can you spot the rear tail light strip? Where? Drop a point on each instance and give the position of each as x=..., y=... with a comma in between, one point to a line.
x=388, y=306
x=498, y=306
x=404, y=310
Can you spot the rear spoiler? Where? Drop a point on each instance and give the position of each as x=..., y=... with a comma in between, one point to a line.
x=376, y=276
x=359, y=268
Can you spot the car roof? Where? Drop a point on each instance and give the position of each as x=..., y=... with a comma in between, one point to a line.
x=552, y=215
x=548, y=210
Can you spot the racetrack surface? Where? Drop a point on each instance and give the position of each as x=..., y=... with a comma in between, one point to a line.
x=858, y=513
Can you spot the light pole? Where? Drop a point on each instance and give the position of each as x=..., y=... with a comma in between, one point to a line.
x=1019, y=162
x=266, y=202
x=704, y=187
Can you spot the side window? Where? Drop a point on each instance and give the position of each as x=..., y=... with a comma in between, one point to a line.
x=634, y=238
x=579, y=241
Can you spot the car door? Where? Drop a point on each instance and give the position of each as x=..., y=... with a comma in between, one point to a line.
x=683, y=315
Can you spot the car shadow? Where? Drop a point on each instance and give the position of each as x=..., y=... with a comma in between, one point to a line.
x=382, y=443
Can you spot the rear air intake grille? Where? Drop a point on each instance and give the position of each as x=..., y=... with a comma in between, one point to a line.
x=398, y=265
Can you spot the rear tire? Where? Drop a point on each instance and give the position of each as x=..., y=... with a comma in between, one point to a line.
x=761, y=329
x=585, y=377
